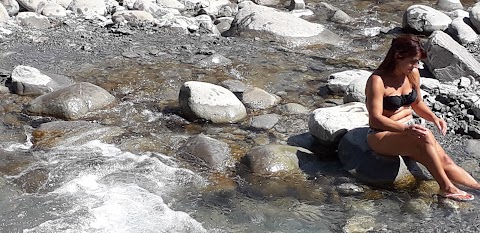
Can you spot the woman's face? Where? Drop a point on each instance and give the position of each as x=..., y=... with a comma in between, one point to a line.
x=407, y=64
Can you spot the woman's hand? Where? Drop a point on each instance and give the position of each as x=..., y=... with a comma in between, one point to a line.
x=441, y=125
x=416, y=131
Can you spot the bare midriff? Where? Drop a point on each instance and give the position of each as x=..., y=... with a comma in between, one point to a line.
x=401, y=115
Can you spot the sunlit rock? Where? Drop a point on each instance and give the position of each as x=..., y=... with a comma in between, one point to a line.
x=211, y=152
x=274, y=159
x=473, y=148
x=338, y=82
x=33, y=20
x=72, y=133
x=256, y=98
x=88, y=7
x=449, y=5
x=358, y=159
x=72, y=102
x=31, y=81
x=131, y=16
x=154, y=9
x=3, y=13
x=172, y=4
x=64, y=3
x=461, y=31
x=296, y=5
x=11, y=6
x=200, y=100
x=266, y=22
x=424, y=19
x=355, y=91
x=340, y=16
x=448, y=60
x=54, y=10
x=330, y=124
x=206, y=23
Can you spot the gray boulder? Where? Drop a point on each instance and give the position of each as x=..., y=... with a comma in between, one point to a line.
x=475, y=16
x=449, y=5
x=424, y=19
x=256, y=98
x=11, y=6
x=31, y=5
x=72, y=133
x=30, y=81
x=338, y=82
x=200, y=100
x=214, y=60
x=274, y=159
x=54, y=10
x=216, y=154
x=473, y=148
x=131, y=16
x=358, y=159
x=261, y=21
x=266, y=121
x=461, y=31
x=356, y=90
x=71, y=102
x=33, y=20
x=448, y=60
x=331, y=123
x=88, y=7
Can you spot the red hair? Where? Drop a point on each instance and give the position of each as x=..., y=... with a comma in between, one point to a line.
x=404, y=46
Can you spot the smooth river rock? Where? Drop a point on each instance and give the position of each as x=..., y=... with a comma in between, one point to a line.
x=71, y=102
x=200, y=100
x=261, y=21
x=330, y=124
x=358, y=159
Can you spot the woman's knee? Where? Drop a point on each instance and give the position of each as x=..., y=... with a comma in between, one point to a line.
x=429, y=138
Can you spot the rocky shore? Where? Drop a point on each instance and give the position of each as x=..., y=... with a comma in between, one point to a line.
x=204, y=106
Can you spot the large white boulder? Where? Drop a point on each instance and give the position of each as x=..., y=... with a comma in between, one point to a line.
x=448, y=60
x=27, y=80
x=266, y=22
x=200, y=100
x=424, y=19
x=12, y=6
x=330, y=124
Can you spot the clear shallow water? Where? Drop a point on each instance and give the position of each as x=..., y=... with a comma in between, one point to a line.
x=138, y=185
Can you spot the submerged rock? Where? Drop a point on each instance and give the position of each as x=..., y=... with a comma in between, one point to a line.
x=274, y=159
x=216, y=154
x=72, y=133
x=71, y=102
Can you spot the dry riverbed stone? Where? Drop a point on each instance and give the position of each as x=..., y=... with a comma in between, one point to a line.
x=71, y=102
x=200, y=100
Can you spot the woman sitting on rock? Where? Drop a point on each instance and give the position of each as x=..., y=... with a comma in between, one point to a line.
x=393, y=91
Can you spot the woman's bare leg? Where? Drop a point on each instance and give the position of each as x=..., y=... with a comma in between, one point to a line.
x=423, y=150
x=454, y=172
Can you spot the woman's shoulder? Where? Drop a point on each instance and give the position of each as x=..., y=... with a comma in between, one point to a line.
x=376, y=77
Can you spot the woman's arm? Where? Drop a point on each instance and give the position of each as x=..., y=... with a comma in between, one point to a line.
x=374, y=92
x=423, y=110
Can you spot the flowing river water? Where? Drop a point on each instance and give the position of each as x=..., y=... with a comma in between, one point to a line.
x=138, y=184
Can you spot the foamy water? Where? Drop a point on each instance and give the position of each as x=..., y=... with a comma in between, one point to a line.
x=122, y=192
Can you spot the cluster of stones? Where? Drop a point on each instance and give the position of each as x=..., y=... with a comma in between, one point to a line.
x=216, y=18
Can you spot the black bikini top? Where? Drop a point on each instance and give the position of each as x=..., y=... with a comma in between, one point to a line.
x=392, y=103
